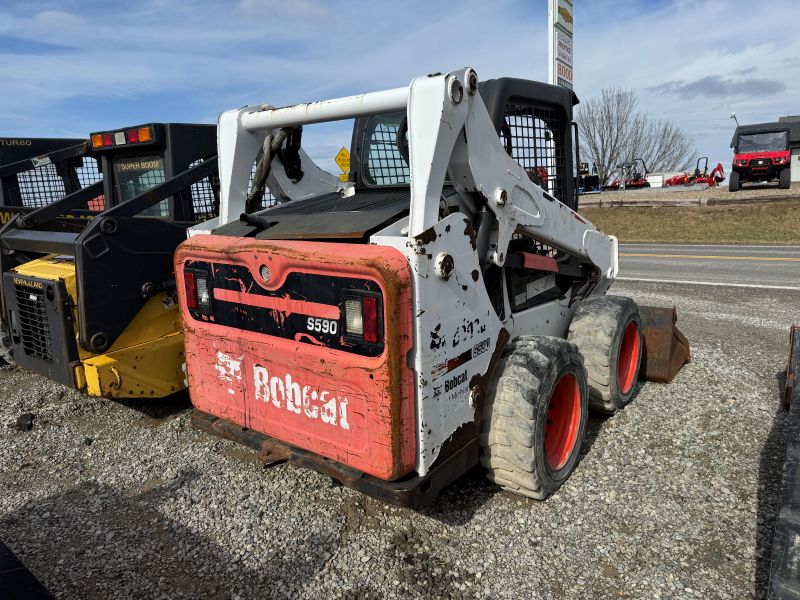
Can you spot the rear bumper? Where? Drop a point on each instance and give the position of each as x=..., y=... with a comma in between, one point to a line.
x=410, y=492
x=759, y=173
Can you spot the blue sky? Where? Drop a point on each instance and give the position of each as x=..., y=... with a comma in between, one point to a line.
x=75, y=66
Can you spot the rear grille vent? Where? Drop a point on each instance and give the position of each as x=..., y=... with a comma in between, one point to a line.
x=34, y=326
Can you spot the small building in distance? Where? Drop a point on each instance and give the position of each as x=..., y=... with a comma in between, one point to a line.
x=794, y=142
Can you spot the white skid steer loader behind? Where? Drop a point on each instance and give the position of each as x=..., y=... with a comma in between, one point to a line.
x=444, y=307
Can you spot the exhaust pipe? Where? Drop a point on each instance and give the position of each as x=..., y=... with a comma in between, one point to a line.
x=666, y=349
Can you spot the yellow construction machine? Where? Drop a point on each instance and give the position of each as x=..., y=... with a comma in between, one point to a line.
x=91, y=302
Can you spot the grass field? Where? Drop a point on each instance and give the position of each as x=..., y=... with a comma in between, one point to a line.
x=772, y=223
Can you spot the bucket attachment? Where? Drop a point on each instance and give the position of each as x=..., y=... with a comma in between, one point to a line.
x=666, y=349
x=792, y=392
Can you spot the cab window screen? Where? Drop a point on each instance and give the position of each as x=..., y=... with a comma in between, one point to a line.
x=49, y=182
x=384, y=163
x=530, y=135
x=136, y=175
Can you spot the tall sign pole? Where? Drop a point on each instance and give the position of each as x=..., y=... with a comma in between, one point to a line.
x=560, y=28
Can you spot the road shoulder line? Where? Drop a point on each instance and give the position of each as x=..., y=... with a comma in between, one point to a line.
x=712, y=283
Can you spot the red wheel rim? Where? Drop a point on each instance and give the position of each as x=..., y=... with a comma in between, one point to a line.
x=628, y=361
x=563, y=418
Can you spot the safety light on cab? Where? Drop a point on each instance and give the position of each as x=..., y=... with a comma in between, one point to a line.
x=136, y=135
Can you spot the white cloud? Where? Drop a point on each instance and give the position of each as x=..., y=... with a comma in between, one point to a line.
x=295, y=8
x=692, y=62
x=695, y=62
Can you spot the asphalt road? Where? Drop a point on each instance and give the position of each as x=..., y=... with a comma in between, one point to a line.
x=769, y=267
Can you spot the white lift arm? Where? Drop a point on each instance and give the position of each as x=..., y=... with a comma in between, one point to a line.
x=449, y=130
x=241, y=133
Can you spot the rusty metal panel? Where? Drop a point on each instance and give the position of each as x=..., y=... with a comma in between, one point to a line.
x=792, y=391
x=456, y=329
x=666, y=349
x=413, y=491
x=305, y=390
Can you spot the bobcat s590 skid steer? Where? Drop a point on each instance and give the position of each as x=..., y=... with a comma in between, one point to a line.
x=440, y=311
x=90, y=302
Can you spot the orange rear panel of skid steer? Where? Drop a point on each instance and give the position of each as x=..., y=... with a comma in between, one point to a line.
x=269, y=348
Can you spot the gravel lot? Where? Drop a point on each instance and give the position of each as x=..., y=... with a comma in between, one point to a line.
x=674, y=498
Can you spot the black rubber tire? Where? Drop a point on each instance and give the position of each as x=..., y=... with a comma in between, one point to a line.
x=785, y=179
x=516, y=411
x=597, y=329
x=733, y=182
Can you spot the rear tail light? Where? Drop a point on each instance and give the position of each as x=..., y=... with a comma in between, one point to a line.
x=137, y=135
x=354, y=318
x=203, y=293
x=190, y=282
x=362, y=318
x=145, y=134
x=102, y=140
x=369, y=312
x=198, y=291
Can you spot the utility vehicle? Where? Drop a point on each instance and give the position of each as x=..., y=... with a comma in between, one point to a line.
x=761, y=153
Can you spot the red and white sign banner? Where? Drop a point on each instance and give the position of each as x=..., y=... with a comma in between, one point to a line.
x=563, y=48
